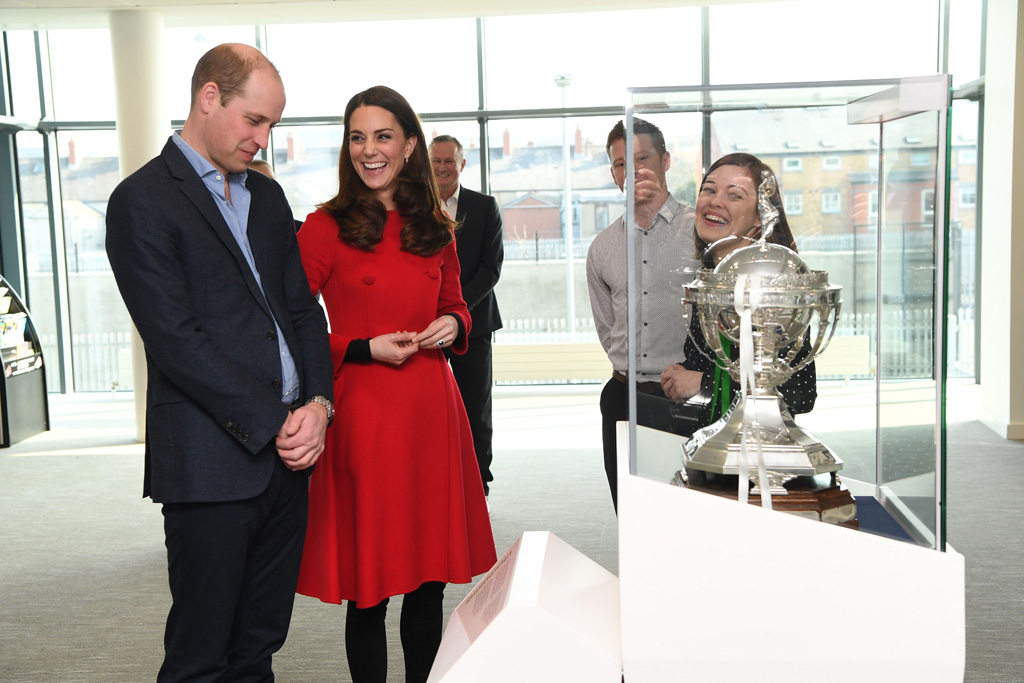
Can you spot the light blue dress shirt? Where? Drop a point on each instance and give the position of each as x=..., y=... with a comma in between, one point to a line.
x=236, y=215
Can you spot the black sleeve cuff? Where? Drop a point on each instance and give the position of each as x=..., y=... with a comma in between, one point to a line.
x=358, y=350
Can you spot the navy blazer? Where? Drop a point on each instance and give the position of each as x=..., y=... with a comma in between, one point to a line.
x=213, y=402
x=479, y=245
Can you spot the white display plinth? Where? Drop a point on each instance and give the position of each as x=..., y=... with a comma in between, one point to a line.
x=717, y=591
x=544, y=613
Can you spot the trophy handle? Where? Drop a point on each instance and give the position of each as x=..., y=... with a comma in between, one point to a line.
x=831, y=328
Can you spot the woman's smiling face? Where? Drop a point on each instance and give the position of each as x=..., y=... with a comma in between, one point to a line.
x=378, y=148
x=727, y=205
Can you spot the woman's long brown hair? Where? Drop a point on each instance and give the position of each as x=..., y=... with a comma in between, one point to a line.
x=358, y=212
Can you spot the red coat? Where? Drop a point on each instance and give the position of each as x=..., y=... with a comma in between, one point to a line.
x=396, y=498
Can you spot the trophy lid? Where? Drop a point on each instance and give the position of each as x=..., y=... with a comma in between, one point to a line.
x=763, y=259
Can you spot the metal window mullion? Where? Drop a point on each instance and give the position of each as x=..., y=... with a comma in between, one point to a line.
x=51, y=165
x=481, y=118
x=12, y=256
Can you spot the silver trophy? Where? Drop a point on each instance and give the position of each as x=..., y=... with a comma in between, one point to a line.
x=781, y=299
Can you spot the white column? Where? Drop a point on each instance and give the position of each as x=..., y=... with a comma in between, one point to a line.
x=143, y=124
x=1002, y=255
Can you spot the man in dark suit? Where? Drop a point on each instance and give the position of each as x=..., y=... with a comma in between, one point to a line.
x=478, y=242
x=239, y=370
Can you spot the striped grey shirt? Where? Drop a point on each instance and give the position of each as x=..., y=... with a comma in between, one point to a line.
x=664, y=263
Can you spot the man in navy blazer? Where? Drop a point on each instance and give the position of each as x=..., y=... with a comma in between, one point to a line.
x=239, y=370
x=478, y=241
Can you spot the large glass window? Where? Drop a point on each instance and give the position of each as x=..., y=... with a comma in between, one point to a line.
x=600, y=51
x=324, y=65
x=82, y=71
x=306, y=164
x=965, y=40
x=21, y=51
x=539, y=61
x=35, y=214
x=528, y=180
x=816, y=41
x=182, y=49
x=100, y=325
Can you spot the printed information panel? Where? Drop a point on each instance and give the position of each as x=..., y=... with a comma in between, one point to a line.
x=545, y=612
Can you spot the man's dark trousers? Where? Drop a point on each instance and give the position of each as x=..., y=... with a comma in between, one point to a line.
x=474, y=375
x=248, y=554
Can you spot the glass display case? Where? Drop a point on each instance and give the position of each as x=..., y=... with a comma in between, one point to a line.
x=863, y=175
x=24, y=409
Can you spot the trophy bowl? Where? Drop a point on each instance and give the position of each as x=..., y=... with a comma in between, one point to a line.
x=784, y=299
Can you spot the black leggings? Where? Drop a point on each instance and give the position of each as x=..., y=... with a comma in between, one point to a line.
x=366, y=641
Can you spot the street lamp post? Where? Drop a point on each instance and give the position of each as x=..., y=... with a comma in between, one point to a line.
x=563, y=81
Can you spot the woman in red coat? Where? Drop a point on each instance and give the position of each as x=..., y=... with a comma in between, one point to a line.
x=396, y=503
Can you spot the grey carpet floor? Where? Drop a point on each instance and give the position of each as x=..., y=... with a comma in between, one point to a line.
x=83, y=590
x=83, y=586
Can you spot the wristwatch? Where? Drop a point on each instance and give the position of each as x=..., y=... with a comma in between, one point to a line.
x=326, y=403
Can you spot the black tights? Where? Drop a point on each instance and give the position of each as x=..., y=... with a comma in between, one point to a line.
x=366, y=641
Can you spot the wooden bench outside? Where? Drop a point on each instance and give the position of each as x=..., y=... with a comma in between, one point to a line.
x=845, y=356
x=550, y=362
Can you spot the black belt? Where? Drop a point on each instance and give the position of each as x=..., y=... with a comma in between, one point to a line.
x=293, y=406
x=642, y=387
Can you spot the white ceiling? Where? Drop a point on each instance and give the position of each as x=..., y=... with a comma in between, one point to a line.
x=57, y=14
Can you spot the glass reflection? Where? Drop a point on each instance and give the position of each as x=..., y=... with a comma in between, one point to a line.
x=908, y=290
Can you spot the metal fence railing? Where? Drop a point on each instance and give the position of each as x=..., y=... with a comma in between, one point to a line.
x=101, y=360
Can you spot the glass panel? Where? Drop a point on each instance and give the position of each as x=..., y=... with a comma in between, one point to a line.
x=909, y=293
x=21, y=54
x=963, y=206
x=83, y=89
x=827, y=39
x=293, y=48
x=864, y=206
x=526, y=53
x=182, y=49
x=826, y=165
x=100, y=325
x=823, y=165
x=35, y=213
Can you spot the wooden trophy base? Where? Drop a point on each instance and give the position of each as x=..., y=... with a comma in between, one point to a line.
x=822, y=498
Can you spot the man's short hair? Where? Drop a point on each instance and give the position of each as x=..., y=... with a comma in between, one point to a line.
x=448, y=138
x=640, y=127
x=262, y=166
x=230, y=68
